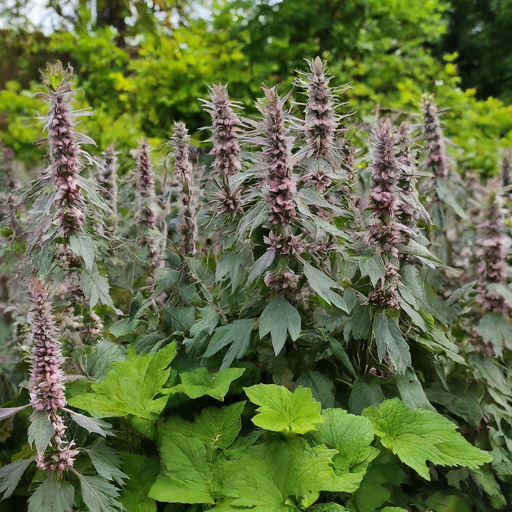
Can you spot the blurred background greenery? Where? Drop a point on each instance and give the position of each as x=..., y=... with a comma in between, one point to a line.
x=144, y=63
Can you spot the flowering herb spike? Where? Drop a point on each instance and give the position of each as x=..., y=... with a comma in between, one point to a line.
x=145, y=183
x=64, y=149
x=225, y=123
x=277, y=160
x=46, y=384
x=184, y=174
x=492, y=249
x=107, y=178
x=506, y=168
x=435, y=148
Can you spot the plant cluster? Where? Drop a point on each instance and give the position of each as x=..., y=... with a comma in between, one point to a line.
x=310, y=314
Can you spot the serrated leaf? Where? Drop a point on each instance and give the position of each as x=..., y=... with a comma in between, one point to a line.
x=418, y=435
x=327, y=507
x=366, y=391
x=199, y=383
x=238, y=334
x=99, y=494
x=208, y=322
x=389, y=339
x=448, y=197
x=40, y=430
x=322, y=285
x=83, y=245
x=103, y=354
x=95, y=288
x=486, y=480
x=283, y=411
x=351, y=436
x=124, y=327
x=142, y=471
x=215, y=428
x=272, y=476
x=187, y=477
x=411, y=390
x=373, y=267
x=322, y=388
x=259, y=266
x=339, y=352
x=130, y=387
x=54, y=496
x=93, y=425
x=11, y=474
x=7, y=412
x=496, y=329
x=278, y=319
x=106, y=461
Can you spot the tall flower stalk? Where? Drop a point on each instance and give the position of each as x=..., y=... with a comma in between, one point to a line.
x=107, y=178
x=384, y=230
x=435, y=148
x=46, y=384
x=145, y=186
x=184, y=175
x=491, y=250
x=225, y=128
x=64, y=149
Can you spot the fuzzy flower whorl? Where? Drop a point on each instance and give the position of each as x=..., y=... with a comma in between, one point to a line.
x=492, y=249
x=145, y=184
x=107, y=178
x=435, y=148
x=184, y=174
x=273, y=136
x=321, y=119
x=47, y=377
x=64, y=149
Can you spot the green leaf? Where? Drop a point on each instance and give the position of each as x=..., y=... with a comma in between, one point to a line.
x=142, y=471
x=372, y=492
x=209, y=320
x=187, y=477
x=238, y=334
x=130, y=387
x=444, y=502
x=373, y=267
x=351, y=436
x=7, y=412
x=199, y=383
x=103, y=354
x=366, y=391
x=272, y=476
x=282, y=411
x=94, y=425
x=322, y=285
x=54, y=496
x=124, y=327
x=95, y=288
x=496, y=329
x=448, y=197
x=418, y=435
x=486, y=480
x=83, y=245
x=411, y=390
x=389, y=339
x=278, y=319
x=106, y=461
x=340, y=354
x=215, y=428
x=99, y=494
x=262, y=263
x=321, y=387
x=11, y=474
x=327, y=507
x=40, y=430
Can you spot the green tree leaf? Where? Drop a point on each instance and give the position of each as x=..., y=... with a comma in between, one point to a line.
x=200, y=383
x=54, y=496
x=351, y=436
x=10, y=475
x=272, y=476
x=282, y=411
x=130, y=387
x=216, y=428
x=389, y=339
x=278, y=319
x=418, y=435
x=187, y=476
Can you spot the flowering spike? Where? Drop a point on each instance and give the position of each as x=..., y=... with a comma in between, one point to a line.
x=506, y=168
x=107, y=178
x=226, y=149
x=273, y=135
x=435, y=148
x=321, y=118
x=184, y=174
x=492, y=249
x=64, y=149
x=145, y=184
x=46, y=384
